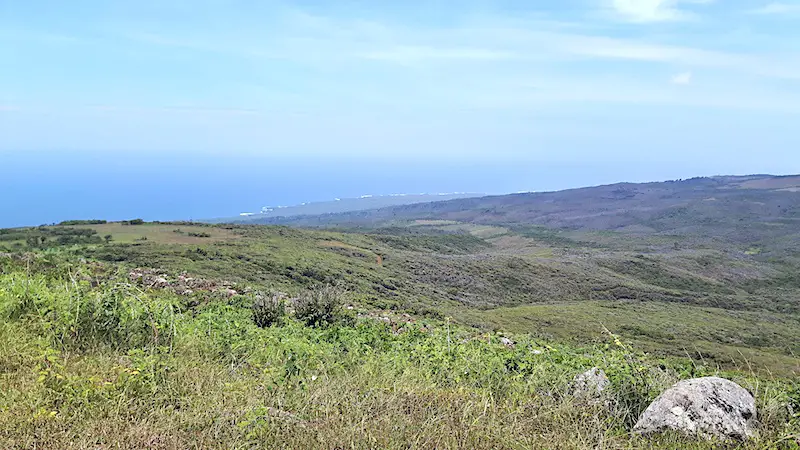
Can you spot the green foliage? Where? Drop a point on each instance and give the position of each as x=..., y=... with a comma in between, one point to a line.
x=82, y=222
x=268, y=310
x=50, y=237
x=81, y=317
x=320, y=307
x=133, y=222
x=214, y=378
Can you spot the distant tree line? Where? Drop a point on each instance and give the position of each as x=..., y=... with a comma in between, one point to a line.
x=83, y=222
x=44, y=237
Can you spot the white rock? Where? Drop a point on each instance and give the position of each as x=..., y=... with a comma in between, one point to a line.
x=710, y=407
x=590, y=385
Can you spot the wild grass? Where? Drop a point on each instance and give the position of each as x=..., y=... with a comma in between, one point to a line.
x=92, y=362
x=658, y=298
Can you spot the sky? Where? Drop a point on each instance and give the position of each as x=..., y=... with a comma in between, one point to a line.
x=233, y=90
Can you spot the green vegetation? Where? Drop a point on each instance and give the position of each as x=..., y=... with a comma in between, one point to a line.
x=47, y=237
x=322, y=307
x=666, y=300
x=89, y=359
x=268, y=311
x=185, y=335
x=82, y=222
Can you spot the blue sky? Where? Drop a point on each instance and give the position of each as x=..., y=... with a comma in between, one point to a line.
x=714, y=84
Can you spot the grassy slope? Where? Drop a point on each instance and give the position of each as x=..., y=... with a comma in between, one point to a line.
x=88, y=360
x=724, y=306
x=163, y=234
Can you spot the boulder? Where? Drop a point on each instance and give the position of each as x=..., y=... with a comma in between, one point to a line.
x=590, y=385
x=711, y=407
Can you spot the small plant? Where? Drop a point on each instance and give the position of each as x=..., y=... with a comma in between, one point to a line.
x=631, y=378
x=268, y=311
x=320, y=307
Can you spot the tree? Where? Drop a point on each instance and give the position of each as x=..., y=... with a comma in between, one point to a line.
x=108, y=238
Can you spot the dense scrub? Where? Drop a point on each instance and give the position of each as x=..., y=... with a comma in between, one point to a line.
x=89, y=360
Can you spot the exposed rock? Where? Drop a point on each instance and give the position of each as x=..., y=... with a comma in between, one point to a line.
x=589, y=385
x=507, y=342
x=710, y=407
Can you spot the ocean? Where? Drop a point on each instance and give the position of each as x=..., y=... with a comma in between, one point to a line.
x=47, y=188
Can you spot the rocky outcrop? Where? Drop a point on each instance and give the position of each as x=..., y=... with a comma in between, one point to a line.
x=182, y=285
x=711, y=407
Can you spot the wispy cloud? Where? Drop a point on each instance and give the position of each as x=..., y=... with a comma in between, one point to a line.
x=682, y=78
x=778, y=9
x=415, y=54
x=323, y=40
x=653, y=10
x=301, y=60
x=170, y=109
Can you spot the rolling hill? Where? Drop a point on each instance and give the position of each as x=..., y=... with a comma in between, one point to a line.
x=742, y=209
x=465, y=318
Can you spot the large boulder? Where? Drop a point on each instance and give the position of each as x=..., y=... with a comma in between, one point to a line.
x=710, y=407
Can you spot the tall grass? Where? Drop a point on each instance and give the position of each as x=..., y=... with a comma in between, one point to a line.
x=110, y=366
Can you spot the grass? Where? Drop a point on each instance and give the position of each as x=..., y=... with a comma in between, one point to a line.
x=765, y=342
x=151, y=369
x=662, y=299
x=159, y=233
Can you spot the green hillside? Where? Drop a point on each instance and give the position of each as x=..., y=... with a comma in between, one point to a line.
x=424, y=331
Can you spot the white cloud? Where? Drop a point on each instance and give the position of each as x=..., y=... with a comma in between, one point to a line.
x=778, y=9
x=647, y=10
x=479, y=62
x=682, y=78
x=653, y=10
x=414, y=54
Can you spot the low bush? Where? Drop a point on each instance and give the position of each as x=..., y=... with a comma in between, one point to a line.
x=320, y=307
x=268, y=310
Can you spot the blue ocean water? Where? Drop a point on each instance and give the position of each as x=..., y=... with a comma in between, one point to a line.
x=46, y=188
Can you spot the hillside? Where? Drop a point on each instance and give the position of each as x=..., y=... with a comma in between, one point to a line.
x=443, y=325
x=733, y=305
x=439, y=336
x=741, y=209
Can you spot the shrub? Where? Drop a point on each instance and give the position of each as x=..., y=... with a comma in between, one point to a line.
x=83, y=222
x=268, y=311
x=320, y=307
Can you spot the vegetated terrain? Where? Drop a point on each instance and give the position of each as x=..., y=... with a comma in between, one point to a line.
x=136, y=334
x=738, y=209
